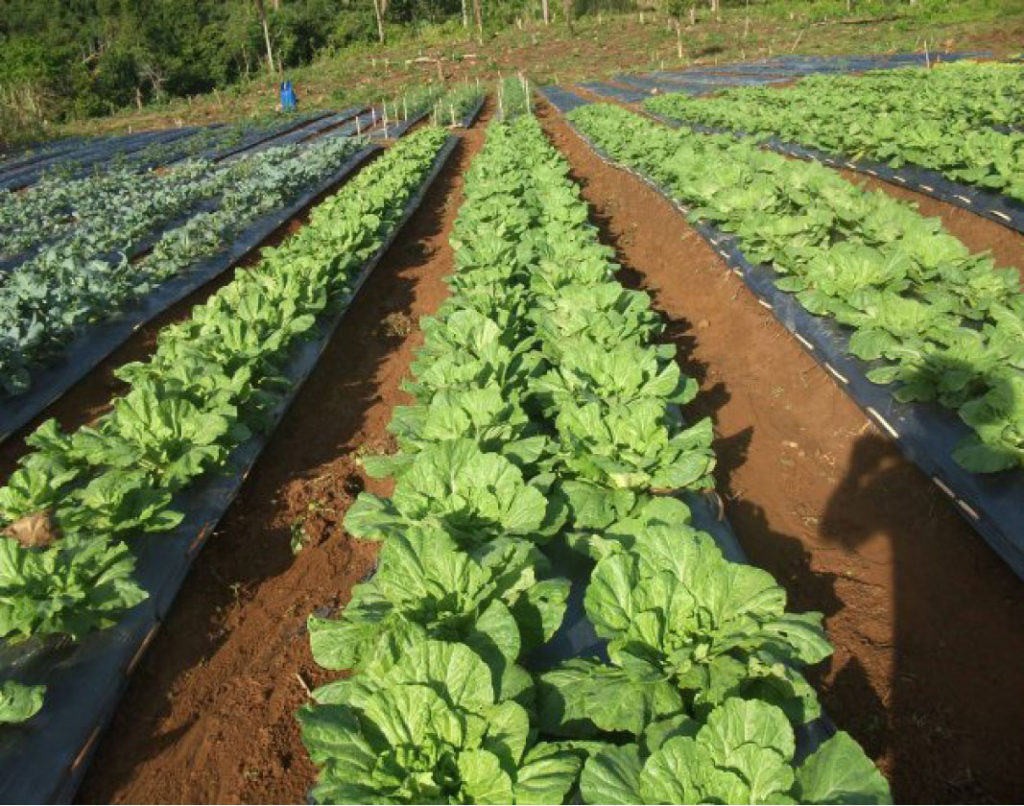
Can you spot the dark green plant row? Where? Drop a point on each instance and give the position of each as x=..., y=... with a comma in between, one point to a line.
x=62, y=200
x=87, y=277
x=54, y=209
x=545, y=413
x=940, y=323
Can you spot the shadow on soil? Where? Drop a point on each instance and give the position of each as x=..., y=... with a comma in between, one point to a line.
x=957, y=663
x=946, y=714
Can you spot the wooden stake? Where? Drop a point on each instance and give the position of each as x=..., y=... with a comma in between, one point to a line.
x=479, y=21
x=379, y=14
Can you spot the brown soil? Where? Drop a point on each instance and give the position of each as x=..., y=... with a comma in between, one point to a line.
x=928, y=623
x=209, y=715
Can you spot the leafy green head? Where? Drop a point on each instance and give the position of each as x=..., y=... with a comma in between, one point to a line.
x=430, y=729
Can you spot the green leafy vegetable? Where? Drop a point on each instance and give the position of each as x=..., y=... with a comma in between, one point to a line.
x=492, y=601
x=687, y=629
x=743, y=753
x=939, y=323
x=472, y=495
x=19, y=703
x=430, y=729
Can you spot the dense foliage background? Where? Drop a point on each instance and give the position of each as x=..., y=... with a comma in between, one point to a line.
x=88, y=57
x=63, y=60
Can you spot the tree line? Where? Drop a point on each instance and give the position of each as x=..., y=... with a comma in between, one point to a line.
x=91, y=57
x=62, y=59
x=79, y=58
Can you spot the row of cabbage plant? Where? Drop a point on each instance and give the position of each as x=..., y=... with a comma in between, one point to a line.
x=72, y=513
x=545, y=425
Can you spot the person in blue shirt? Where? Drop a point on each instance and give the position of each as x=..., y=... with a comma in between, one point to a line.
x=289, y=103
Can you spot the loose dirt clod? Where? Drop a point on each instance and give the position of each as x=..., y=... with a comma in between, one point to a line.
x=36, y=531
x=396, y=324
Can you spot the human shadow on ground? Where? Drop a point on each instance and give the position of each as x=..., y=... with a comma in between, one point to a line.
x=957, y=637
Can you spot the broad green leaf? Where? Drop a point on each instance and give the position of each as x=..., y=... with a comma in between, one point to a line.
x=840, y=772
x=19, y=703
x=483, y=779
x=613, y=776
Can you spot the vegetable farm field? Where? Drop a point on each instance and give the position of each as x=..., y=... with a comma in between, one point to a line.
x=657, y=439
